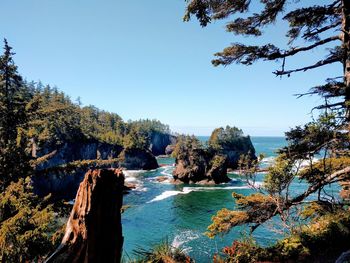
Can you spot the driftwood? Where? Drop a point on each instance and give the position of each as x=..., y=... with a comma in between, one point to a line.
x=94, y=231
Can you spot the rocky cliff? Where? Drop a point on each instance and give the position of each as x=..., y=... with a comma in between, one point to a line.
x=76, y=158
x=63, y=183
x=231, y=142
x=94, y=231
x=137, y=159
x=198, y=166
x=75, y=150
x=233, y=152
x=159, y=142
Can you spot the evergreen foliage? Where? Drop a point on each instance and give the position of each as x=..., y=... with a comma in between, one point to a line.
x=326, y=27
x=28, y=224
x=35, y=117
x=13, y=118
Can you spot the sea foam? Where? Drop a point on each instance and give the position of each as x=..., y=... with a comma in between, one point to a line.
x=187, y=190
x=131, y=176
x=183, y=238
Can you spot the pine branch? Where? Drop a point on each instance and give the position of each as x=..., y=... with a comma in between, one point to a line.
x=294, y=51
x=316, y=65
x=339, y=176
x=313, y=34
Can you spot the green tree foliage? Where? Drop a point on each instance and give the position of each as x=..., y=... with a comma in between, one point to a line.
x=53, y=118
x=13, y=96
x=27, y=224
x=227, y=138
x=324, y=26
x=137, y=138
x=150, y=126
x=102, y=125
x=161, y=253
x=34, y=117
x=185, y=145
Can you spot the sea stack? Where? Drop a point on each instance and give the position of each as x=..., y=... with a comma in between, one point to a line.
x=94, y=231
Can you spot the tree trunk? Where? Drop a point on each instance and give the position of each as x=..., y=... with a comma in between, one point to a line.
x=346, y=47
x=94, y=231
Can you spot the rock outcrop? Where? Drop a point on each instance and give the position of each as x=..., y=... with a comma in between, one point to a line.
x=137, y=159
x=94, y=231
x=169, y=149
x=159, y=142
x=77, y=150
x=63, y=183
x=244, y=146
x=231, y=142
x=198, y=166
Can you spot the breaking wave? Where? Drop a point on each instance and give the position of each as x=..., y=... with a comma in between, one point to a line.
x=184, y=237
x=189, y=189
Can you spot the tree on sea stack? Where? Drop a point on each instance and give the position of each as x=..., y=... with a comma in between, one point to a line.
x=326, y=27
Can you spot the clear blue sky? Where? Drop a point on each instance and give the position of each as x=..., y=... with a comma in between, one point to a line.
x=138, y=59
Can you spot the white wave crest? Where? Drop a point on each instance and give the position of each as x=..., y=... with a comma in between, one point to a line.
x=131, y=176
x=167, y=194
x=189, y=189
x=183, y=238
x=165, y=172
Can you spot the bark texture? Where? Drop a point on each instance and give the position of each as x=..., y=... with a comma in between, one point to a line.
x=94, y=231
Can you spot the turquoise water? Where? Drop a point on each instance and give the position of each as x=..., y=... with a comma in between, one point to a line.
x=181, y=213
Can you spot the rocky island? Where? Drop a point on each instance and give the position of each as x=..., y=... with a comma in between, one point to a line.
x=196, y=163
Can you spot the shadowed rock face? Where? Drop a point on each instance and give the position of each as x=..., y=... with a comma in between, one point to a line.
x=160, y=141
x=94, y=231
x=137, y=159
x=65, y=184
x=198, y=166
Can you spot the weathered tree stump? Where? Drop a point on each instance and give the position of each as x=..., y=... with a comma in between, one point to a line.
x=94, y=231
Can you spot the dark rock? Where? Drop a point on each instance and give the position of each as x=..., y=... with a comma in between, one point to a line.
x=160, y=141
x=94, y=231
x=218, y=169
x=64, y=184
x=198, y=166
x=137, y=159
x=73, y=151
x=169, y=149
x=60, y=185
x=243, y=146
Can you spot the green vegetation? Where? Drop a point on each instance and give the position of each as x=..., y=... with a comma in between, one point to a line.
x=27, y=222
x=185, y=144
x=232, y=143
x=37, y=118
x=29, y=225
x=222, y=138
x=326, y=234
x=55, y=119
x=13, y=121
x=161, y=253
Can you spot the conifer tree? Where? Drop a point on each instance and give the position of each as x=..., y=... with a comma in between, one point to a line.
x=13, y=96
x=326, y=27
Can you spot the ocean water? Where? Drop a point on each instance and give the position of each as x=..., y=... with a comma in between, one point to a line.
x=181, y=213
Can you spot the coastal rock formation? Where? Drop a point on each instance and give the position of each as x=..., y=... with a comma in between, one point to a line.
x=159, y=142
x=73, y=151
x=233, y=153
x=169, y=149
x=78, y=157
x=231, y=142
x=94, y=230
x=198, y=166
x=137, y=159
